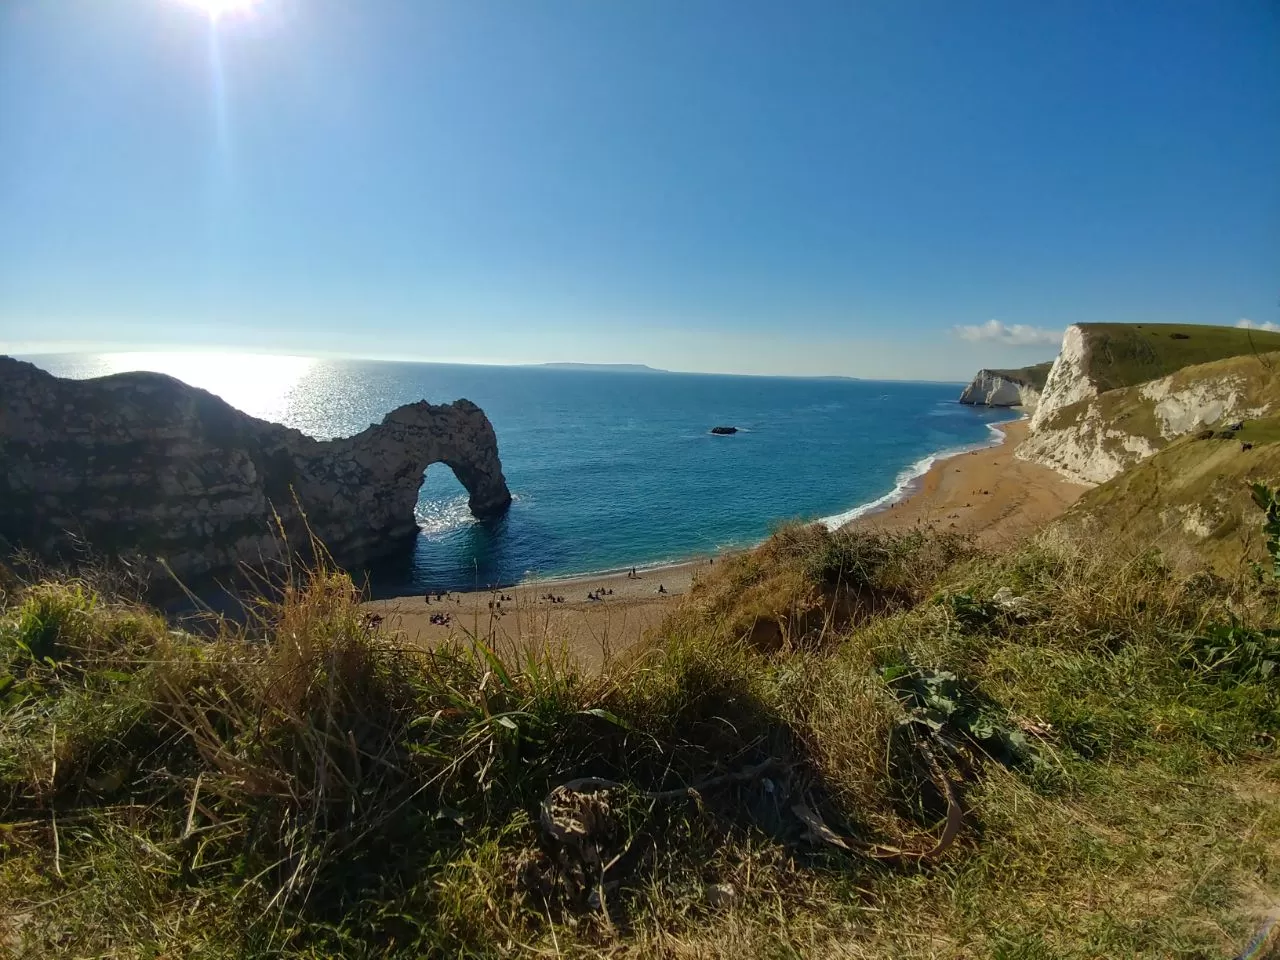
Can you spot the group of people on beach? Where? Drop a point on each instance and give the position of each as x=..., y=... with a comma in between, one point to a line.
x=594, y=596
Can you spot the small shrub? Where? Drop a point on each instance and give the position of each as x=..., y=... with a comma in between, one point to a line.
x=52, y=621
x=1268, y=500
x=1236, y=653
x=955, y=711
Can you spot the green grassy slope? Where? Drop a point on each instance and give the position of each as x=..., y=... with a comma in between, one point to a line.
x=1192, y=498
x=1122, y=354
x=1034, y=375
x=929, y=752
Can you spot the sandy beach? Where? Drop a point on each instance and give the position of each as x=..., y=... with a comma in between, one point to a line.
x=625, y=610
x=987, y=492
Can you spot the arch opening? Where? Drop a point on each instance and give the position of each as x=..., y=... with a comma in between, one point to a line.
x=444, y=502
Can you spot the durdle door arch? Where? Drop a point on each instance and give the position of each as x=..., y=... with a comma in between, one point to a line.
x=143, y=465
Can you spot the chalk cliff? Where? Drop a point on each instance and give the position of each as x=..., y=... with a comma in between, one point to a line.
x=142, y=465
x=1068, y=381
x=1117, y=395
x=1007, y=388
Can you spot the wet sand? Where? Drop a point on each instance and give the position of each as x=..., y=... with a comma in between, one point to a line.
x=988, y=493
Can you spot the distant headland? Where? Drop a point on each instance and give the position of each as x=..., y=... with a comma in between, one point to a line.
x=644, y=368
x=602, y=367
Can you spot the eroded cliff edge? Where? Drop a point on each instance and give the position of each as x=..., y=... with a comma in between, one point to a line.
x=1007, y=388
x=1119, y=393
x=143, y=465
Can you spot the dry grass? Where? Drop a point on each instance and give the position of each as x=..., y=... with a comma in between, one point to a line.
x=807, y=582
x=302, y=785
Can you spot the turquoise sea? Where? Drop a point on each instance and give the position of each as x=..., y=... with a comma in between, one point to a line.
x=608, y=469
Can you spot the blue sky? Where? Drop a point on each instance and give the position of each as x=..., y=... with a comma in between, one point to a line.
x=720, y=185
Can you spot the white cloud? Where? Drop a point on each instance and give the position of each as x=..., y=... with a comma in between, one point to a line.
x=1248, y=324
x=1016, y=335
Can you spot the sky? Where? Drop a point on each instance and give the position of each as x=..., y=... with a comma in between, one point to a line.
x=889, y=188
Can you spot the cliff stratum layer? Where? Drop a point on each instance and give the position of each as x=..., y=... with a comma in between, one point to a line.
x=1117, y=394
x=1007, y=388
x=140, y=464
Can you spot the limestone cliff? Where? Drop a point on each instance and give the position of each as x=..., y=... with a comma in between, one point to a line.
x=1007, y=388
x=1068, y=380
x=1098, y=357
x=1098, y=435
x=140, y=464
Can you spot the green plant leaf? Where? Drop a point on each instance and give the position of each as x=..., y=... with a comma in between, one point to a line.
x=604, y=714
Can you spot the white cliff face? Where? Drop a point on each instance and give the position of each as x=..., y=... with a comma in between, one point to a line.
x=1094, y=439
x=1068, y=381
x=1181, y=408
x=1089, y=451
x=990, y=389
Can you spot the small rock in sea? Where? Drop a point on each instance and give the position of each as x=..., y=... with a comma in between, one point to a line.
x=1246, y=445
x=1238, y=425
x=1204, y=435
x=723, y=431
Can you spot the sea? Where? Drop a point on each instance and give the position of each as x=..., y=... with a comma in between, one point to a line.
x=608, y=469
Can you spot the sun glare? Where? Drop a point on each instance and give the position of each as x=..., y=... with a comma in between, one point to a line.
x=258, y=384
x=217, y=9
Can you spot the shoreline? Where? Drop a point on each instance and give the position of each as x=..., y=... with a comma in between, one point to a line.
x=908, y=483
x=984, y=492
x=911, y=479
x=911, y=482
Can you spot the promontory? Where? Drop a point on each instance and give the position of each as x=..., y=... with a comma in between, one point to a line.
x=143, y=466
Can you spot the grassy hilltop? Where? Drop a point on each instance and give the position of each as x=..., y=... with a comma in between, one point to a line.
x=846, y=745
x=1125, y=354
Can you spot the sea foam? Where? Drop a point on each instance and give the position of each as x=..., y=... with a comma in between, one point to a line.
x=908, y=480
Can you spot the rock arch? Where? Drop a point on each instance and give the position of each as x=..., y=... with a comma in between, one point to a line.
x=144, y=465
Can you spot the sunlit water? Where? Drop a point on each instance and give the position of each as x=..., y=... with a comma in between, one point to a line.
x=607, y=469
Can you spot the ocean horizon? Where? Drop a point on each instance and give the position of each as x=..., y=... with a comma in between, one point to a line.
x=608, y=469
